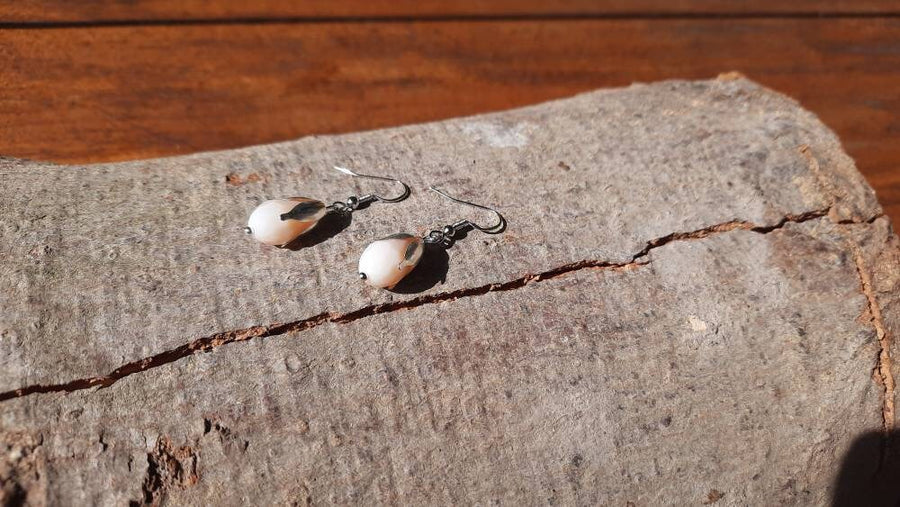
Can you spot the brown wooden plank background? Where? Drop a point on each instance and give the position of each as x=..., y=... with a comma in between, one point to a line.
x=98, y=81
x=94, y=10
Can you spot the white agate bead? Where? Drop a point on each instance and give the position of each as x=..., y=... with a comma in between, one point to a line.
x=385, y=262
x=267, y=227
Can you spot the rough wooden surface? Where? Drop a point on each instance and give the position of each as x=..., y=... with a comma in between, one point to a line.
x=695, y=298
x=99, y=93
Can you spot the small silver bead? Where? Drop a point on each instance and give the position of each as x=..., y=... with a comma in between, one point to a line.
x=352, y=202
x=362, y=276
x=248, y=230
x=448, y=231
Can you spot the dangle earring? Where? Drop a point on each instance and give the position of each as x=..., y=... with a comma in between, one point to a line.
x=279, y=221
x=386, y=261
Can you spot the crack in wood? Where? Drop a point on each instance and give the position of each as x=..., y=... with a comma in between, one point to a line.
x=731, y=226
x=881, y=372
x=882, y=369
x=870, y=220
x=209, y=343
x=827, y=187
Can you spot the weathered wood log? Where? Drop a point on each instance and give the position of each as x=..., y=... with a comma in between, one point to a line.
x=693, y=301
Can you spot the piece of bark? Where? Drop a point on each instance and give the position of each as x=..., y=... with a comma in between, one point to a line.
x=690, y=304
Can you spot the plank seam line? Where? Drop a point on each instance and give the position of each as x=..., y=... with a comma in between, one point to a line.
x=211, y=342
x=454, y=18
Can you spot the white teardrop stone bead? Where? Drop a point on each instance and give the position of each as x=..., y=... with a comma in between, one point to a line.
x=267, y=227
x=385, y=262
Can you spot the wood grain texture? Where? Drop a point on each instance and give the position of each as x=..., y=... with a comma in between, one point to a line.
x=36, y=11
x=569, y=405
x=112, y=93
x=177, y=224
x=690, y=301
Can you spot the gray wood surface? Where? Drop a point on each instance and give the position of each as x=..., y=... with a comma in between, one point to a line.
x=694, y=302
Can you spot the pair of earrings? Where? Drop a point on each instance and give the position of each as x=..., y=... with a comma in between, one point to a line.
x=385, y=262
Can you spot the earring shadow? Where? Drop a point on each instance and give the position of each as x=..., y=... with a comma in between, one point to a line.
x=328, y=227
x=432, y=269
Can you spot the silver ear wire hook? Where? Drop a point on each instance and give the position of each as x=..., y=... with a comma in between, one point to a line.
x=449, y=233
x=355, y=202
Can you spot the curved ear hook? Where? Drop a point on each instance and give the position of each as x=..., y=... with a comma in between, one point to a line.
x=374, y=197
x=497, y=228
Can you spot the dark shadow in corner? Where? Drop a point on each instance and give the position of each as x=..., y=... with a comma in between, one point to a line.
x=328, y=227
x=432, y=269
x=870, y=472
